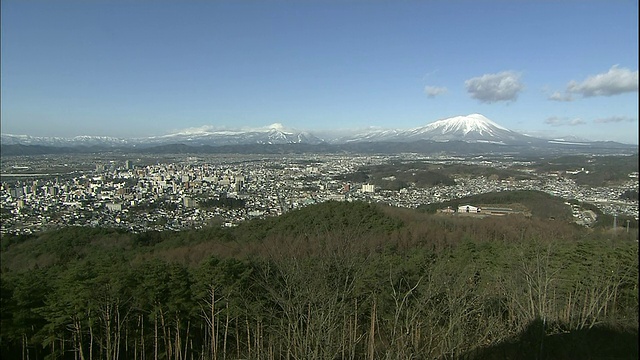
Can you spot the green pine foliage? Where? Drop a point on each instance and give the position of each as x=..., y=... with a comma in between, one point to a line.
x=330, y=281
x=326, y=219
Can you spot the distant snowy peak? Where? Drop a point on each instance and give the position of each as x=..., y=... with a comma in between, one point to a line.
x=572, y=138
x=204, y=135
x=208, y=135
x=474, y=123
x=371, y=135
x=474, y=127
x=470, y=128
x=83, y=140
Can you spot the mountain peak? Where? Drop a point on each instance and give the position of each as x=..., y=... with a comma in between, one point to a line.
x=467, y=124
x=276, y=126
x=470, y=128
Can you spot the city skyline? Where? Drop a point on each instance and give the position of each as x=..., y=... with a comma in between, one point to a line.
x=134, y=69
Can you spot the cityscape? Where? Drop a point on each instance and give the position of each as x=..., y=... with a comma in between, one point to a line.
x=143, y=193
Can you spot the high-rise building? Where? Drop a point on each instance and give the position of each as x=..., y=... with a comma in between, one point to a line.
x=189, y=202
x=368, y=188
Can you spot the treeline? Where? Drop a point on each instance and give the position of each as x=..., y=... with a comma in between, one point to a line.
x=333, y=281
x=630, y=195
x=606, y=221
x=599, y=170
x=486, y=171
x=396, y=176
x=396, y=180
x=538, y=204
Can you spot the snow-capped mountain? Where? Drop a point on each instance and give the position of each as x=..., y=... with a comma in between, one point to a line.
x=469, y=128
x=272, y=134
x=85, y=140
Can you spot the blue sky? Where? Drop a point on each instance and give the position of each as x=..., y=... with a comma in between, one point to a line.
x=137, y=68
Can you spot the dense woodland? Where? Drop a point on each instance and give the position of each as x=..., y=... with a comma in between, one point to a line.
x=599, y=170
x=329, y=281
x=399, y=175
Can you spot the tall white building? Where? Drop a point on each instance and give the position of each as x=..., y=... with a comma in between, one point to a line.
x=368, y=188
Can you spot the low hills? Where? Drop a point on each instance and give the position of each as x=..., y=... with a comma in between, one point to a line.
x=359, y=279
x=535, y=203
x=324, y=227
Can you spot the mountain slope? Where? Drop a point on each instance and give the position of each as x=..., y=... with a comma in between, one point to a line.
x=272, y=134
x=474, y=127
x=56, y=141
x=469, y=128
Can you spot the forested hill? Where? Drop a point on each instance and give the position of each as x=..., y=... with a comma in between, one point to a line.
x=329, y=281
x=536, y=203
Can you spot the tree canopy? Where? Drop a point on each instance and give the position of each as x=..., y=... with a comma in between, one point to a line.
x=334, y=280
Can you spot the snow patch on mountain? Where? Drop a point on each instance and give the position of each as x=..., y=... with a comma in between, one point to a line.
x=474, y=123
x=82, y=140
x=275, y=133
x=470, y=128
x=571, y=138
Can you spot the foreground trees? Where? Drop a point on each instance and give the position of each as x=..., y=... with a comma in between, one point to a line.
x=334, y=295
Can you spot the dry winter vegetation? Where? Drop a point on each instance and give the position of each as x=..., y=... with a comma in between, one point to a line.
x=330, y=281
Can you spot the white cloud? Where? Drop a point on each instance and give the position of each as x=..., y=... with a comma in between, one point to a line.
x=197, y=130
x=558, y=96
x=553, y=121
x=489, y=88
x=616, y=81
x=614, y=119
x=433, y=91
x=563, y=121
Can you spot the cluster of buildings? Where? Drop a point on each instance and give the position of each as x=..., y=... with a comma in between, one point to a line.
x=142, y=195
x=477, y=211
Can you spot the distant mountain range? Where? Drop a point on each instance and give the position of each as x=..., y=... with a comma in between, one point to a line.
x=471, y=129
x=273, y=134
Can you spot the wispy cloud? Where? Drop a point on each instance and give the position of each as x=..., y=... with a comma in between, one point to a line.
x=433, y=91
x=558, y=96
x=563, y=121
x=433, y=72
x=490, y=88
x=614, y=119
